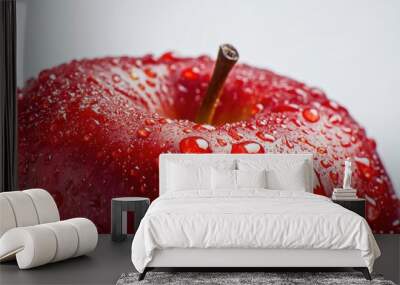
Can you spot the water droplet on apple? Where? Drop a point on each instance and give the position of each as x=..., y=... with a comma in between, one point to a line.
x=311, y=115
x=134, y=75
x=150, y=73
x=332, y=105
x=194, y=145
x=334, y=177
x=247, y=147
x=182, y=88
x=347, y=130
x=138, y=62
x=286, y=108
x=141, y=87
x=322, y=150
x=301, y=93
x=326, y=163
x=345, y=142
x=364, y=166
x=199, y=127
x=133, y=172
x=296, y=122
x=288, y=143
x=335, y=119
x=143, y=188
x=373, y=210
x=168, y=56
x=251, y=126
x=164, y=121
x=261, y=123
x=257, y=108
x=116, y=78
x=144, y=133
x=149, y=122
x=190, y=73
x=265, y=136
x=151, y=84
x=221, y=142
x=209, y=127
x=304, y=141
x=234, y=134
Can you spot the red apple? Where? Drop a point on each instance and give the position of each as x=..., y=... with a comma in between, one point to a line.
x=91, y=130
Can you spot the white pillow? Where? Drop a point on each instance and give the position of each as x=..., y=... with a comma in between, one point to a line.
x=183, y=177
x=251, y=178
x=292, y=179
x=223, y=179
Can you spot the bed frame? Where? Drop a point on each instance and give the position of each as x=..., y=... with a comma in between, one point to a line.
x=260, y=259
x=237, y=259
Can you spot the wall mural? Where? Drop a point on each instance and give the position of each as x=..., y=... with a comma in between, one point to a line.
x=93, y=129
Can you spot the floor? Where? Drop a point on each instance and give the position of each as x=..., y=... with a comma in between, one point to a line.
x=111, y=259
x=103, y=266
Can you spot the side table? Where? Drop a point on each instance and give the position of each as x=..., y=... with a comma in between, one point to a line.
x=355, y=205
x=119, y=208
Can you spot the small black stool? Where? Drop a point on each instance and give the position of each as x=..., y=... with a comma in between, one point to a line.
x=119, y=207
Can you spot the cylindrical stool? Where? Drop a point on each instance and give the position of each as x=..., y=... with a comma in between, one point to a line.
x=119, y=207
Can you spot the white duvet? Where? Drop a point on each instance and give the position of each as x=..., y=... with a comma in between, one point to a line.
x=250, y=219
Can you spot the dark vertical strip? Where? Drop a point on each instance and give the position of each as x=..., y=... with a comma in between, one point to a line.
x=8, y=98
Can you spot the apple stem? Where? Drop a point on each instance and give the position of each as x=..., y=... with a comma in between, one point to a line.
x=226, y=59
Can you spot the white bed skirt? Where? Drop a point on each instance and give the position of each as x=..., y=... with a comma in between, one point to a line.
x=193, y=257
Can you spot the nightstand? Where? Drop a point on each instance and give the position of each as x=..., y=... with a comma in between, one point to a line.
x=119, y=207
x=356, y=205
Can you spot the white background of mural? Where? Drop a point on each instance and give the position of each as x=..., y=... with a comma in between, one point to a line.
x=348, y=48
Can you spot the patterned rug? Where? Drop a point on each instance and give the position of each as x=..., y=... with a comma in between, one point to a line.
x=243, y=278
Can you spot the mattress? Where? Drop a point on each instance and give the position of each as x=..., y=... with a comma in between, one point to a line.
x=250, y=219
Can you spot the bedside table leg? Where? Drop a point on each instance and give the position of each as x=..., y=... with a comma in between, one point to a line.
x=142, y=275
x=117, y=227
x=364, y=271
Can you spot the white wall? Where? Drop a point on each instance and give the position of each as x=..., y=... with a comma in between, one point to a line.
x=349, y=48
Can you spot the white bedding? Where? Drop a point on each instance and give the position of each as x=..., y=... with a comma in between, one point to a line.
x=252, y=218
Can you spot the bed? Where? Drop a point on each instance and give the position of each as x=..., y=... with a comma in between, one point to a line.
x=245, y=211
